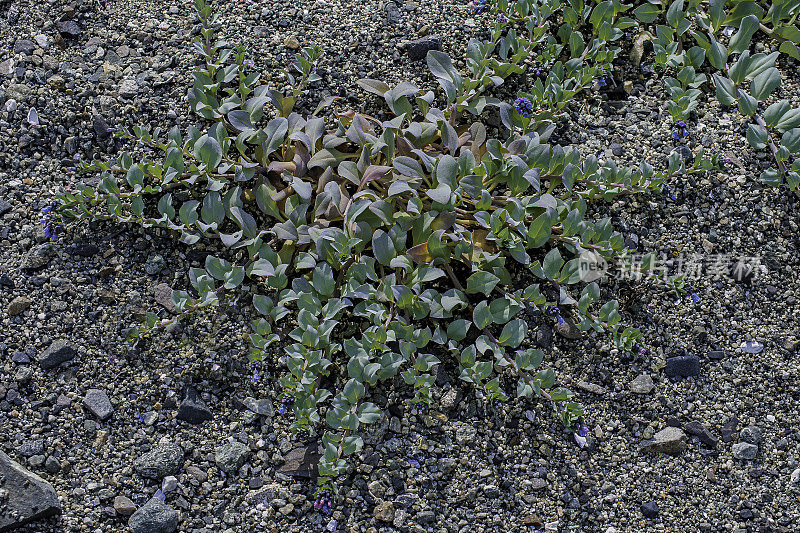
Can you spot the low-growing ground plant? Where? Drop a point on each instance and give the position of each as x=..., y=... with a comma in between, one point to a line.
x=373, y=248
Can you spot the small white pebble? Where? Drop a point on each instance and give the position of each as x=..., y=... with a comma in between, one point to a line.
x=169, y=484
x=770, y=418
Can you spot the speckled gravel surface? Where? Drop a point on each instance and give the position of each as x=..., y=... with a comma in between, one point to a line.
x=108, y=425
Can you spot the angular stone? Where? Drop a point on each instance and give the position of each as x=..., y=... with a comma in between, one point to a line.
x=84, y=249
x=163, y=297
x=301, y=462
x=669, y=440
x=649, y=510
x=58, y=352
x=231, y=456
x=38, y=257
x=24, y=46
x=165, y=459
x=193, y=409
x=384, y=511
x=68, y=28
x=683, y=366
x=697, y=429
x=642, y=384
x=154, y=517
x=18, y=305
x=751, y=434
x=418, y=49
x=744, y=451
x=567, y=329
x=128, y=88
x=100, y=126
x=97, y=402
x=124, y=506
x=261, y=407
x=27, y=497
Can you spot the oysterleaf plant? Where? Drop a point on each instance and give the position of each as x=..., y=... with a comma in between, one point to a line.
x=372, y=249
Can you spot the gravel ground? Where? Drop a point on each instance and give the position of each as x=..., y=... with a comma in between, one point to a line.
x=460, y=468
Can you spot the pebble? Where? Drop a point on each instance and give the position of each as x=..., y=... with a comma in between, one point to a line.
x=124, y=506
x=650, y=510
x=229, y=457
x=18, y=306
x=164, y=459
x=154, y=517
x=59, y=351
x=697, y=429
x=97, y=402
x=642, y=384
x=384, y=511
x=670, y=440
x=193, y=409
x=682, y=366
x=418, y=49
x=744, y=451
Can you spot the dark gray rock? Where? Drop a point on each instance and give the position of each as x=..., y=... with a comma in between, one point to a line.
x=728, y=428
x=301, y=462
x=751, y=434
x=231, y=456
x=544, y=336
x=697, y=429
x=683, y=366
x=100, y=127
x=97, y=402
x=58, y=352
x=165, y=459
x=30, y=448
x=68, y=28
x=27, y=496
x=5, y=207
x=24, y=46
x=616, y=149
x=261, y=407
x=154, y=517
x=685, y=153
x=38, y=257
x=650, y=510
x=418, y=49
x=84, y=249
x=393, y=14
x=193, y=409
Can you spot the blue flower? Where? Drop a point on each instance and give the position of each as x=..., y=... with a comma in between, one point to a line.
x=601, y=82
x=523, y=107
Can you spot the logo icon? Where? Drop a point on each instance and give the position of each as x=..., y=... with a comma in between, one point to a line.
x=591, y=266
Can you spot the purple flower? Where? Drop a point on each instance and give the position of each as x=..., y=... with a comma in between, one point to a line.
x=50, y=222
x=523, y=107
x=324, y=502
x=256, y=377
x=479, y=6
x=601, y=82
x=695, y=297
